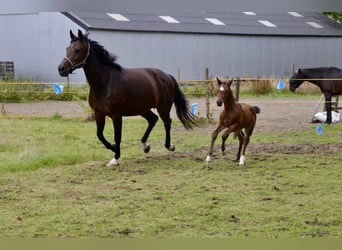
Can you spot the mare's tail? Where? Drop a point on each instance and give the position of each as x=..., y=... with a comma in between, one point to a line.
x=256, y=109
x=182, y=107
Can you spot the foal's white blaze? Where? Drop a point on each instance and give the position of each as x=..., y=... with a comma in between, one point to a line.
x=113, y=162
x=208, y=159
x=221, y=88
x=242, y=160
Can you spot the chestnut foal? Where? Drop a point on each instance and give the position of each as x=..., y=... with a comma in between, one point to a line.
x=235, y=117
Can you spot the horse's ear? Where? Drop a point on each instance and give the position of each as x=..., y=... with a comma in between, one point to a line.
x=299, y=71
x=80, y=35
x=72, y=36
x=230, y=82
x=218, y=81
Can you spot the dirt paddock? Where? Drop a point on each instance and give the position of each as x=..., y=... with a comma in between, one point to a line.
x=276, y=114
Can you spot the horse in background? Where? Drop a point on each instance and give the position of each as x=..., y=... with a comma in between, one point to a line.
x=237, y=118
x=116, y=91
x=328, y=79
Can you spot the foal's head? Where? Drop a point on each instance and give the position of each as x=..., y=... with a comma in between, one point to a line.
x=224, y=92
x=76, y=54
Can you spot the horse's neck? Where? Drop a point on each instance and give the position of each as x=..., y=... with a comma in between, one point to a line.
x=314, y=76
x=95, y=74
x=230, y=103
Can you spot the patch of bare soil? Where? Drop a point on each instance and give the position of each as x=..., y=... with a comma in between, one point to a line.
x=276, y=114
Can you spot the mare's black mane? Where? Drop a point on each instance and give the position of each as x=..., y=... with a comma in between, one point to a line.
x=104, y=56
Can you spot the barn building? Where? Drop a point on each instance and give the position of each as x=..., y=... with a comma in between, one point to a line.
x=229, y=44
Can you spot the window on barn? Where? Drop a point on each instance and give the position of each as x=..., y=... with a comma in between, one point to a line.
x=267, y=23
x=315, y=25
x=169, y=19
x=118, y=17
x=249, y=13
x=295, y=14
x=214, y=21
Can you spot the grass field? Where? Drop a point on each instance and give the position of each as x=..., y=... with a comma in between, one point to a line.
x=54, y=183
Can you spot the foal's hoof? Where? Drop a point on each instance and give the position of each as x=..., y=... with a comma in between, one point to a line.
x=208, y=158
x=146, y=147
x=171, y=148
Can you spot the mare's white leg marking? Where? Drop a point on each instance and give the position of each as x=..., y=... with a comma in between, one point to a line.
x=113, y=162
x=172, y=147
x=146, y=147
x=242, y=160
x=208, y=158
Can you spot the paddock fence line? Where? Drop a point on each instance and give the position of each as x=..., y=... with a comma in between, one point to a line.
x=43, y=88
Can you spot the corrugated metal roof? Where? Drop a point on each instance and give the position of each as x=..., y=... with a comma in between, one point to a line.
x=286, y=24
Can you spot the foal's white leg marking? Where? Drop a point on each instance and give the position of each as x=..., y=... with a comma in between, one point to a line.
x=208, y=158
x=113, y=162
x=242, y=160
x=172, y=147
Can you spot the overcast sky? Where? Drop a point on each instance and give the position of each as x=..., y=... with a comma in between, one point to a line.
x=168, y=6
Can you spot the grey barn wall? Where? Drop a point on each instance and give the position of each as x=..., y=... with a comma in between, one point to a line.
x=36, y=43
x=224, y=55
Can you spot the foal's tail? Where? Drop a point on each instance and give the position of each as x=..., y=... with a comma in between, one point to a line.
x=182, y=107
x=256, y=109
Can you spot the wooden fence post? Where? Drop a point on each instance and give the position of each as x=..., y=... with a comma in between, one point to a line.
x=237, y=89
x=207, y=93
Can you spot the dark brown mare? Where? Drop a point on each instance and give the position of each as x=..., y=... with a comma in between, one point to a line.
x=328, y=79
x=116, y=91
x=235, y=117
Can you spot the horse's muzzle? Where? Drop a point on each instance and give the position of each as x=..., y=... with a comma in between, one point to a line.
x=292, y=89
x=219, y=103
x=64, y=69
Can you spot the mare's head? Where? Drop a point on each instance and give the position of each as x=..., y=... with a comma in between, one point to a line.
x=296, y=80
x=76, y=54
x=224, y=92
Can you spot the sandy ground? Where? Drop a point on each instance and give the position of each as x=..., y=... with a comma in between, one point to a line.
x=276, y=113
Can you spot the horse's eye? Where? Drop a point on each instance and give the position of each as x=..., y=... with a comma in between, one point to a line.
x=77, y=51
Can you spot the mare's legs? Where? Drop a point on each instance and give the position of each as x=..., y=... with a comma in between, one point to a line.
x=328, y=108
x=100, y=123
x=214, y=135
x=165, y=116
x=151, y=119
x=117, y=123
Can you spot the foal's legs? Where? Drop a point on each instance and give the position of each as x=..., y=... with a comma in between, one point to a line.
x=214, y=135
x=224, y=138
x=151, y=118
x=241, y=137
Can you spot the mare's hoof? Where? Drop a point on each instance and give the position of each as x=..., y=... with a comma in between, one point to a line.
x=171, y=148
x=113, y=162
x=208, y=158
x=146, y=147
